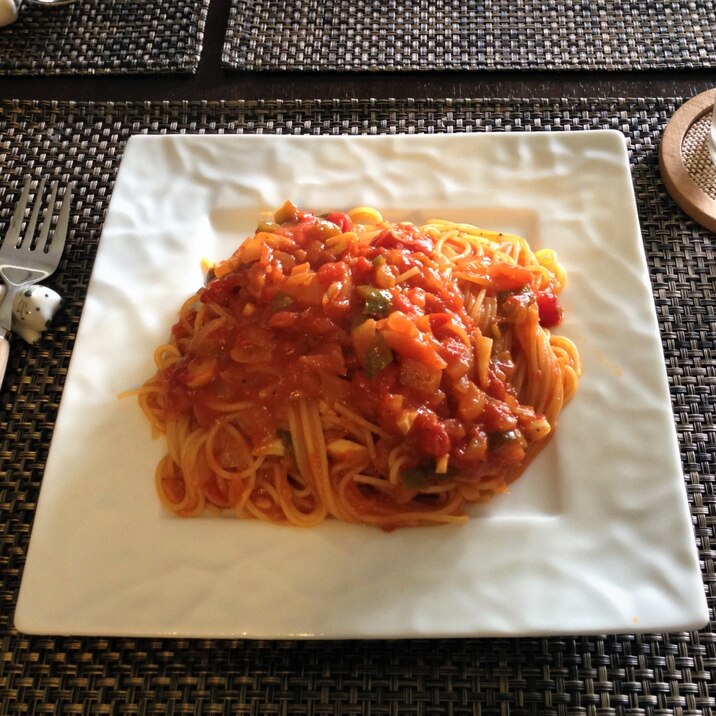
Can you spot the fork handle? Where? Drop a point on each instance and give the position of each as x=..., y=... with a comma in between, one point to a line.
x=4, y=354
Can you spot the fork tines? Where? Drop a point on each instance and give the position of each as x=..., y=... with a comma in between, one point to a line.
x=14, y=240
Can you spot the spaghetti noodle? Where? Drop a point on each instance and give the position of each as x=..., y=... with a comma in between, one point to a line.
x=343, y=366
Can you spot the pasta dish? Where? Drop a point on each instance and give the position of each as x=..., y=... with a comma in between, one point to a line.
x=343, y=366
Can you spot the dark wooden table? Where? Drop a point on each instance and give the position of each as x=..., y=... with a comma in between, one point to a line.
x=211, y=82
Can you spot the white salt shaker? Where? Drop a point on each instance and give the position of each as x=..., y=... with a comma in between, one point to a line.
x=33, y=310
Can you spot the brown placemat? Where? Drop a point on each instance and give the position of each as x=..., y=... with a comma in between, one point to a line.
x=464, y=35
x=631, y=674
x=105, y=37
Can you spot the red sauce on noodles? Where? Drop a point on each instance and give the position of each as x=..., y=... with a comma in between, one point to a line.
x=361, y=326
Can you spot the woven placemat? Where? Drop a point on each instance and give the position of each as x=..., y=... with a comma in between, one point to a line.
x=697, y=158
x=105, y=37
x=459, y=34
x=602, y=676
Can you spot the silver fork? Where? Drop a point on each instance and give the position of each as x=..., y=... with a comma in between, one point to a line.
x=23, y=261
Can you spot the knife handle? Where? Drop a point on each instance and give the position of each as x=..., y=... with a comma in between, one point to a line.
x=4, y=355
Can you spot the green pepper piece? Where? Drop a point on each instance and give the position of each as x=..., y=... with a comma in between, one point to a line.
x=281, y=301
x=270, y=227
x=287, y=214
x=377, y=356
x=378, y=301
x=379, y=260
x=418, y=477
x=415, y=477
x=497, y=440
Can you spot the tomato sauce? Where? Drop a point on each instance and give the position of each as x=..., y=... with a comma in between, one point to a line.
x=313, y=312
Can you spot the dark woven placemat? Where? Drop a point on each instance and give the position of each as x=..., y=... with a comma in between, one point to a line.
x=105, y=37
x=602, y=676
x=460, y=34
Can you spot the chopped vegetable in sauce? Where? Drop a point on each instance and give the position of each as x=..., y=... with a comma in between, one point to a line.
x=381, y=324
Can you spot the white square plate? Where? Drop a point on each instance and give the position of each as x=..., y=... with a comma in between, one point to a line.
x=595, y=537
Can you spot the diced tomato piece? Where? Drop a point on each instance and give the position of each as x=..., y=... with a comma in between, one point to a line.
x=331, y=272
x=508, y=277
x=386, y=380
x=498, y=417
x=386, y=239
x=401, y=302
x=455, y=430
x=429, y=436
x=341, y=220
x=433, y=303
x=362, y=270
x=550, y=310
x=221, y=289
x=438, y=321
